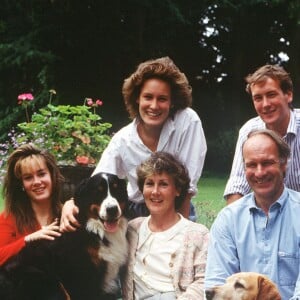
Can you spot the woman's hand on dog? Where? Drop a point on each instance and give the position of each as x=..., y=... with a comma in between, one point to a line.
x=68, y=221
x=49, y=232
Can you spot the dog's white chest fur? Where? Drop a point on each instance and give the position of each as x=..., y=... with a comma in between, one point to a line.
x=115, y=254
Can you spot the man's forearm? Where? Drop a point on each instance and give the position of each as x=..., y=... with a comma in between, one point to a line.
x=233, y=197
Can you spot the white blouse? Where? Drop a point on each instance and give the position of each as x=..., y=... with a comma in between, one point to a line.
x=181, y=136
x=152, y=272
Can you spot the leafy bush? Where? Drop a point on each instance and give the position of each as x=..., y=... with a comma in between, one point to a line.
x=74, y=134
x=220, y=151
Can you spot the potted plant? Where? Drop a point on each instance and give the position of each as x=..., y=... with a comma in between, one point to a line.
x=73, y=133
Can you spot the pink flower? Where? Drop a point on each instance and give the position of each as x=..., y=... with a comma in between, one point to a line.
x=99, y=102
x=27, y=96
x=21, y=99
x=24, y=97
x=89, y=101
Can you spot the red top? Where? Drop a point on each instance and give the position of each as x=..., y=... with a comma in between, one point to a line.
x=11, y=240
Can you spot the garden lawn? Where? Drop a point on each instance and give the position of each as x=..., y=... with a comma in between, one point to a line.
x=209, y=200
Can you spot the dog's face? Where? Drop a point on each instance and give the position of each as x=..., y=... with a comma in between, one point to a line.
x=244, y=286
x=101, y=199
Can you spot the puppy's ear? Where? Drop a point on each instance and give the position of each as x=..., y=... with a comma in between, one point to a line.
x=267, y=290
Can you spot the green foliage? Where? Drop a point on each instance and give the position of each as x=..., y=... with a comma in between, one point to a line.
x=67, y=132
x=8, y=119
x=221, y=150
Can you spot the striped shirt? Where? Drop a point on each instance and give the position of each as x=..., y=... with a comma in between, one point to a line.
x=237, y=182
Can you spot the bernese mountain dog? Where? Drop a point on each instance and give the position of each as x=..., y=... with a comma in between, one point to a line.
x=80, y=265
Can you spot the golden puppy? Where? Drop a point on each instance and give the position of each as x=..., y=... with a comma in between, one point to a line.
x=244, y=286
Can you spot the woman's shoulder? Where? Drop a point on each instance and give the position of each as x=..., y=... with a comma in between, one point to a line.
x=126, y=128
x=186, y=118
x=187, y=113
x=7, y=219
x=124, y=134
x=196, y=229
x=197, y=235
x=135, y=224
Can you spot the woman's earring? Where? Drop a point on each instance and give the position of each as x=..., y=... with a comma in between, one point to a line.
x=23, y=189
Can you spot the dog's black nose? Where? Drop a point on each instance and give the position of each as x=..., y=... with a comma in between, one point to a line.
x=209, y=293
x=112, y=211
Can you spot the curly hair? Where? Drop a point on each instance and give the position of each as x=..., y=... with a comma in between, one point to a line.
x=164, y=162
x=16, y=200
x=163, y=69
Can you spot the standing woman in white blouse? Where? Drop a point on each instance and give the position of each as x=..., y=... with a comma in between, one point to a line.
x=167, y=255
x=158, y=98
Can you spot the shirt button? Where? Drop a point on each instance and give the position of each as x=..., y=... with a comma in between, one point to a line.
x=171, y=265
x=173, y=255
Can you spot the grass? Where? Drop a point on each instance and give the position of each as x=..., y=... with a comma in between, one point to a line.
x=209, y=200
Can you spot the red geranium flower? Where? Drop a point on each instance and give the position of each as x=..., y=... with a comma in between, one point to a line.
x=99, y=102
x=25, y=97
x=22, y=100
x=82, y=160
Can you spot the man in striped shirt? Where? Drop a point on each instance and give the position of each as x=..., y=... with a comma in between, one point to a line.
x=271, y=89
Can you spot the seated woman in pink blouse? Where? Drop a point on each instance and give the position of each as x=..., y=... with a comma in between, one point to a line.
x=167, y=255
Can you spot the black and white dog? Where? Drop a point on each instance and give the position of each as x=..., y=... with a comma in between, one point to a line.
x=79, y=265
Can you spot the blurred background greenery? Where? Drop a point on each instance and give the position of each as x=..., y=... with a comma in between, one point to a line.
x=86, y=49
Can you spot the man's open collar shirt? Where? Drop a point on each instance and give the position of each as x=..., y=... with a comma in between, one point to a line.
x=244, y=238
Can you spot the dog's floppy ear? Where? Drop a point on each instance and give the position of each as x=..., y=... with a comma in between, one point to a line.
x=81, y=187
x=267, y=290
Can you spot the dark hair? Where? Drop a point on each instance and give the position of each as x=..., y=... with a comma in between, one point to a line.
x=16, y=201
x=275, y=72
x=282, y=147
x=160, y=162
x=161, y=68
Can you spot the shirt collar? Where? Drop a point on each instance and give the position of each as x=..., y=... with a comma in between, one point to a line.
x=145, y=233
x=292, y=127
x=167, y=130
x=280, y=202
x=135, y=123
x=135, y=136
